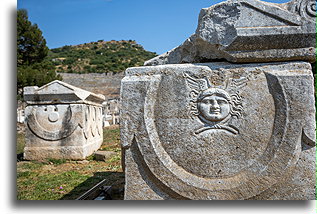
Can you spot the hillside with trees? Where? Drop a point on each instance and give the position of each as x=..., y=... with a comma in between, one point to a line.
x=88, y=66
x=99, y=57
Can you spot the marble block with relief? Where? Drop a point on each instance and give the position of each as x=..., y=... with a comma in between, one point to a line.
x=62, y=122
x=219, y=131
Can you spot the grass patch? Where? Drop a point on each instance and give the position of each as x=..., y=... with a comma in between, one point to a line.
x=115, y=158
x=49, y=186
x=111, y=139
x=31, y=165
x=91, y=157
x=56, y=161
x=55, y=179
x=26, y=174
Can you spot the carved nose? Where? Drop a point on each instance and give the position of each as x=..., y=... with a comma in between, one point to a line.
x=215, y=106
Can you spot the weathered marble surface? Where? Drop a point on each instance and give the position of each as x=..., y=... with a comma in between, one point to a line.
x=249, y=31
x=219, y=131
x=62, y=121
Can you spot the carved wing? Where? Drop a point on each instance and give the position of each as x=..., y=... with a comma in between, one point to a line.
x=236, y=83
x=196, y=84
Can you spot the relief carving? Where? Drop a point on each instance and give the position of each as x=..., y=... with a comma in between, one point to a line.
x=99, y=120
x=52, y=122
x=93, y=123
x=87, y=122
x=305, y=8
x=215, y=106
x=93, y=119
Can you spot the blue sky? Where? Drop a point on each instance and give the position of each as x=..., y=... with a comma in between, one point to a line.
x=158, y=25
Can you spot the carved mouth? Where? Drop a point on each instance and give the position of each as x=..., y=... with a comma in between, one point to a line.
x=216, y=111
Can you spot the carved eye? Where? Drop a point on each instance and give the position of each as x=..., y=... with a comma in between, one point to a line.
x=55, y=109
x=45, y=109
x=221, y=102
x=206, y=101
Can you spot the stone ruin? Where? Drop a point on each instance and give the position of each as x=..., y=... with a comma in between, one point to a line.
x=20, y=111
x=236, y=123
x=244, y=31
x=62, y=122
x=111, y=110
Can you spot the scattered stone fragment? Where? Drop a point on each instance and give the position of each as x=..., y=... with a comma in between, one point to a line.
x=104, y=155
x=249, y=31
x=83, y=161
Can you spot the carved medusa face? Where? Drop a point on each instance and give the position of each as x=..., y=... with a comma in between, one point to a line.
x=214, y=104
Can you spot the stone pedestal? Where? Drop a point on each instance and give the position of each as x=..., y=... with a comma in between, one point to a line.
x=62, y=122
x=219, y=131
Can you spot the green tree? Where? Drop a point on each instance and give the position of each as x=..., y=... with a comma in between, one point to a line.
x=33, y=69
x=36, y=74
x=31, y=45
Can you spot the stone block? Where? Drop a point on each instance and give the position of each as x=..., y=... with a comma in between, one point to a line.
x=62, y=122
x=219, y=131
x=249, y=31
x=104, y=155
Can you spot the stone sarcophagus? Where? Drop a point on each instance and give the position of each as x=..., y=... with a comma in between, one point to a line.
x=219, y=131
x=62, y=122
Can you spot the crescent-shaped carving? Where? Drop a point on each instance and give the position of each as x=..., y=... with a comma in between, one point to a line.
x=258, y=177
x=69, y=126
